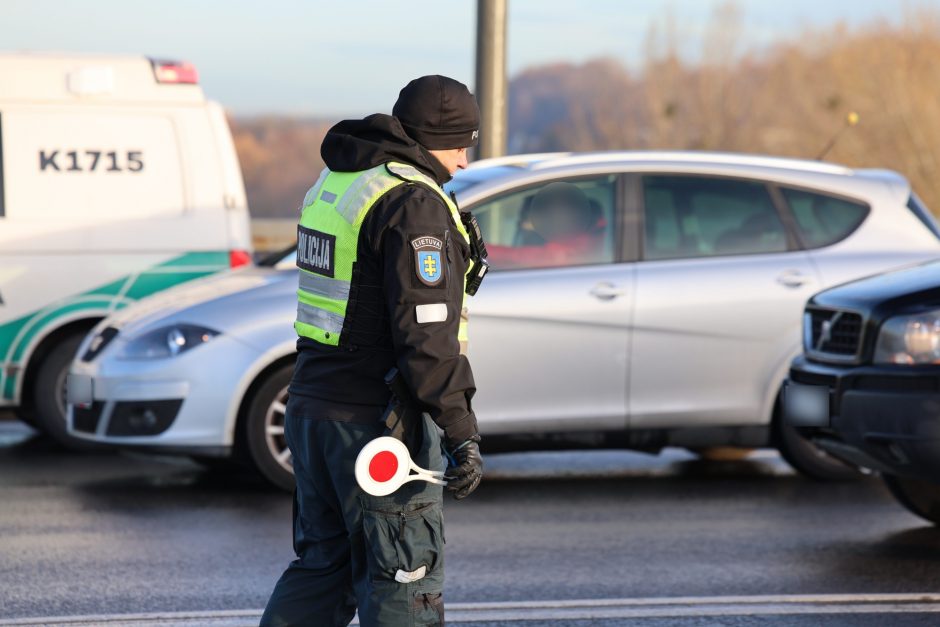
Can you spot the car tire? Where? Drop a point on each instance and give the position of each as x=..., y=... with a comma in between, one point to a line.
x=810, y=460
x=921, y=498
x=264, y=429
x=48, y=400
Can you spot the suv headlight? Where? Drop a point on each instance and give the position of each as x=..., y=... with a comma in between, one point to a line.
x=912, y=339
x=167, y=342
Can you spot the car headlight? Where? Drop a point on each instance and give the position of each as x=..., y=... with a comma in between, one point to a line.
x=912, y=339
x=167, y=342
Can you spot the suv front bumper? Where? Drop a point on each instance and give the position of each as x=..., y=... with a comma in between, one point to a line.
x=886, y=418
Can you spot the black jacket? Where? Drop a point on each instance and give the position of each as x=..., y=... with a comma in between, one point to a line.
x=381, y=330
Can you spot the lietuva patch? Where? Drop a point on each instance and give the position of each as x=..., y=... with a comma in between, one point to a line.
x=316, y=251
x=428, y=262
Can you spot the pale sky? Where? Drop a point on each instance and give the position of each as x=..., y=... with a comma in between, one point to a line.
x=350, y=57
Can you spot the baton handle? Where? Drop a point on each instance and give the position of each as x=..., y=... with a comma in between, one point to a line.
x=427, y=478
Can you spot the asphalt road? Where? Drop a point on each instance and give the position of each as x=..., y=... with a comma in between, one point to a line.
x=587, y=538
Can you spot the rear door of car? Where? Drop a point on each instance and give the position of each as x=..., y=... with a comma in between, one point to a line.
x=719, y=295
x=549, y=336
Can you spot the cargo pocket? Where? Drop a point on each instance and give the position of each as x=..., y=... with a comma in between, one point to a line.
x=428, y=609
x=405, y=544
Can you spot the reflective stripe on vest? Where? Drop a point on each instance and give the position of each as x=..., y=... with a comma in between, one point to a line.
x=337, y=205
x=314, y=191
x=312, y=316
x=317, y=285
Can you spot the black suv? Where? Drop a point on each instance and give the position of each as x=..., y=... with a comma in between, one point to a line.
x=867, y=387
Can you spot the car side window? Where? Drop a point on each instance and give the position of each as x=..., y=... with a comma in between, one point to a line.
x=822, y=219
x=696, y=216
x=560, y=223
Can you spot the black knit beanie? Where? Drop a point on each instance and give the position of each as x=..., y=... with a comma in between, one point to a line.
x=439, y=113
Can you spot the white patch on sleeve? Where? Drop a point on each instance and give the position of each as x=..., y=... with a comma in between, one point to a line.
x=431, y=313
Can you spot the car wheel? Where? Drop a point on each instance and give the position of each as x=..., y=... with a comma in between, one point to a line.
x=919, y=497
x=48, y=401
x=264, y=429
x=810, y=460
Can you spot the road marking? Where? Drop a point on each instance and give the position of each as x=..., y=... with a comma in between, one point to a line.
x=528, y=611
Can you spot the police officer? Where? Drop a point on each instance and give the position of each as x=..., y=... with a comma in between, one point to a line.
x=383, y=254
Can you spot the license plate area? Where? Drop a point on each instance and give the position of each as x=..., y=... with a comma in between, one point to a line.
x=806, y=405
x=79, y=390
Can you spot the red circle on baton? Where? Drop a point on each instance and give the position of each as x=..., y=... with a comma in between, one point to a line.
x=383, y=466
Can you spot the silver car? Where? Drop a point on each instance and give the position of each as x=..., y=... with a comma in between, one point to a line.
x=637, y=300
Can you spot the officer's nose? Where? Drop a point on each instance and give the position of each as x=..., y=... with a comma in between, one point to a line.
x=462, y=159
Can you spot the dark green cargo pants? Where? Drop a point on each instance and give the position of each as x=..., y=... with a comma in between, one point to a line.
x=350, y=546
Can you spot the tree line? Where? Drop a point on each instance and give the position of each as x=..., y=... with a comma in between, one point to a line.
x=788, y=100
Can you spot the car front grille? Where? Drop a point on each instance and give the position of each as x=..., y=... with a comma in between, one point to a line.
x=85, y=419
x=144, y=417
x=833, y=334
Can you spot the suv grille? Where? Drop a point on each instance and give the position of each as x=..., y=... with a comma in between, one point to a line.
x=833, y=334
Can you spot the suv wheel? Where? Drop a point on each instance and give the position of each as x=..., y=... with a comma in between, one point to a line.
x=919, y=497
x=264, y=429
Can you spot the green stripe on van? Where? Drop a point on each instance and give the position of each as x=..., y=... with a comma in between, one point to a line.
x=197, y=259
x=147, y=283
x=114, y=294
x=9, y=331
x=36, y=321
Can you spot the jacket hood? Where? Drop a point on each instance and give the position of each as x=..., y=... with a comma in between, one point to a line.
x=354, y=145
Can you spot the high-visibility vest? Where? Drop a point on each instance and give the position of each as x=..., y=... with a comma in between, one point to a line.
x=332, y=214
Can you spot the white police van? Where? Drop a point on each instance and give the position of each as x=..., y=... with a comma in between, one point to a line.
x=118, y=179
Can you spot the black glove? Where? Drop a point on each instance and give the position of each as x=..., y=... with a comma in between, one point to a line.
x=465, y=470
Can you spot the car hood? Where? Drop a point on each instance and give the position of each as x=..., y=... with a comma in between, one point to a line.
x=916, y=286
x=221, y=301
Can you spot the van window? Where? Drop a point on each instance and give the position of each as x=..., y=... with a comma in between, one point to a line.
x=554, y=224
x=90, y=167
x=822, y=219
x=696, y=216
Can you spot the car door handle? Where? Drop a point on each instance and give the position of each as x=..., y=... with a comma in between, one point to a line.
x=606, y=291
x=793, y=278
